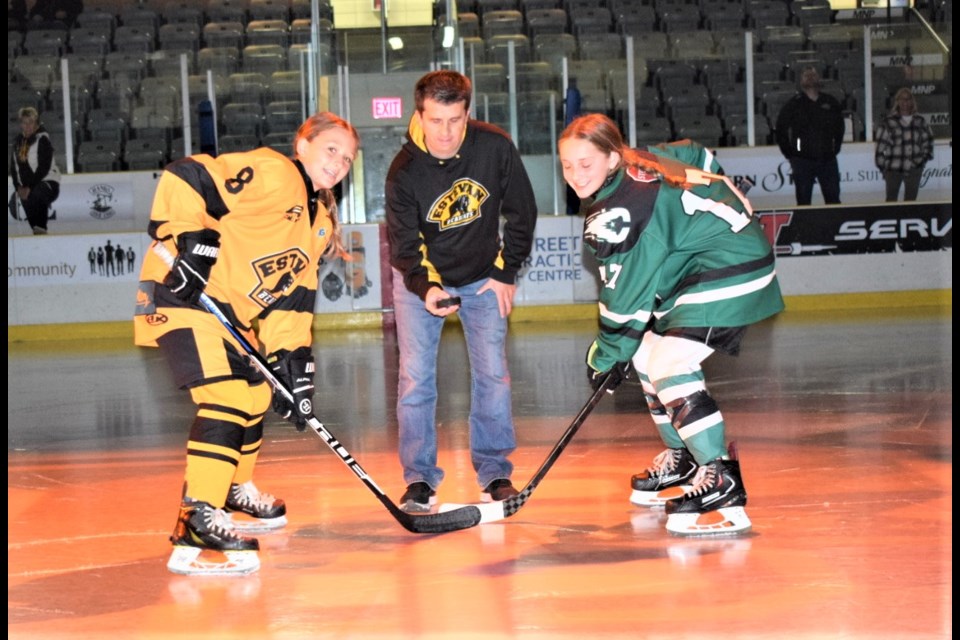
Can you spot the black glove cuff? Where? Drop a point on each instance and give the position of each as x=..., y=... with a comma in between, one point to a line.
x=203, y=244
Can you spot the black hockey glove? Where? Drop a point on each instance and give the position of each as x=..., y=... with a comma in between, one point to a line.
x=196, y=254
x=295, y=369
x=618, y=374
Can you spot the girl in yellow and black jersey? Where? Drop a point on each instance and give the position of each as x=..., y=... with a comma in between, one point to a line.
x=248, y=229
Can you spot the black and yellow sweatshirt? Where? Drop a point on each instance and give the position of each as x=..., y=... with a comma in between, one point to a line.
x=443, y=216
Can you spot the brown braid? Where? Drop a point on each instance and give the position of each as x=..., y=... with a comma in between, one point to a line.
x=604, y=134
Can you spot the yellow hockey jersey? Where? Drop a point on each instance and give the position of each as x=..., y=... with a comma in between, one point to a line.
x=273, y=231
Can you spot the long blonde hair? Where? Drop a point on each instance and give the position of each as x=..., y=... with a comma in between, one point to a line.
x=903, y=93
x=310, y=129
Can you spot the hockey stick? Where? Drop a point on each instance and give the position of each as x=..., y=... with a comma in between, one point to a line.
x=462, y=517
x=494, y=511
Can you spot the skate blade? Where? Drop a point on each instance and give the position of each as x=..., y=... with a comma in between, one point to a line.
x=658, y=498
x=722, y=522
x=187, y=561
x=248, y=524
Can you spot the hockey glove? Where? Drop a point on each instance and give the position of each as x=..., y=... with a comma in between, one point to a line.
x=618, y=374
x=196, y=254
x=295, y=369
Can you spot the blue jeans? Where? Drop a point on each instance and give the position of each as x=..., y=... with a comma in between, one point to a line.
x=492, y=436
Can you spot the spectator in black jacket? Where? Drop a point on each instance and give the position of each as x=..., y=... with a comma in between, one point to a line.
x=810, y=131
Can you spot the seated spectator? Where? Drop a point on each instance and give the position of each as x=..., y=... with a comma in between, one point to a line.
x=16, y=15
x=65, y=11
x=36, y=177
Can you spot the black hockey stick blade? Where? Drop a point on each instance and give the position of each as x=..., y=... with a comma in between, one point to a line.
x=442, y=522
x=455, y=519
x=494, y=511
x=464, y=517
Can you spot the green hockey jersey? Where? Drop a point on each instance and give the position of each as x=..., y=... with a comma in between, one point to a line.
x=673, y=257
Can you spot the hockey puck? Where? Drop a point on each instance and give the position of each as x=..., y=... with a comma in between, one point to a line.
x=448, y=302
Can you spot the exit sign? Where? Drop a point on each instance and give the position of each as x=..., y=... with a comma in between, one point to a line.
x=387, y=108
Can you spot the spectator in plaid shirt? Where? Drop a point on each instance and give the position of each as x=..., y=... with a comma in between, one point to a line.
x=904, y=146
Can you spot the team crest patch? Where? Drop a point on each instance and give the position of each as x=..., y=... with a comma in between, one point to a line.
x=611, y=226
x=277, y=273
x=460, y=205
x=293, y=213
x=640, y=175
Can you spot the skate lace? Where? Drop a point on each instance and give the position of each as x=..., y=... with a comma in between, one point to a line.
x=703, y=481
x=220, y=523
x=249, y=496
x=665, y=462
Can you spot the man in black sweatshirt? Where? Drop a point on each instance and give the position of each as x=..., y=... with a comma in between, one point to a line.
x=447, y=191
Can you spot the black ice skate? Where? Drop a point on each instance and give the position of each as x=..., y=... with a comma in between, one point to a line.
x=265, y=512
x=715, y=504
x=668, y=478
x=202, y=528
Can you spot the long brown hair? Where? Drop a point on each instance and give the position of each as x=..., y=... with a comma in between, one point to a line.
x=604, y=134
x=310, y=129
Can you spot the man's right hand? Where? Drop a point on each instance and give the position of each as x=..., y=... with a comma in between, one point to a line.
x=436, y=302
